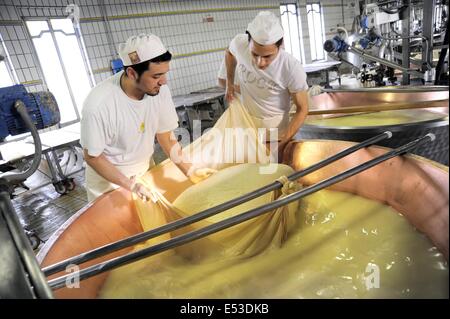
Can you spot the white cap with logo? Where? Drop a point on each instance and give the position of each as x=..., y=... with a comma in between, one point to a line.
x=141, y=48
x=265, y=28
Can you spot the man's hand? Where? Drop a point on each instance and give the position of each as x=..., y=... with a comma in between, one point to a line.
x=229, y=95
x=199, y=174
x=141, y=190
x=314, y=90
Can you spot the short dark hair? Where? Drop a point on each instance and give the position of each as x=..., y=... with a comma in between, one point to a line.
x=144, y=66
x=278, y=43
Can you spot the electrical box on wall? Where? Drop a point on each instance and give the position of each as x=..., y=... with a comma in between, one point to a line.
x=208, y=19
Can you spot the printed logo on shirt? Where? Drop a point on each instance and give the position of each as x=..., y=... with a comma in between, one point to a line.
x=247, y=76
x=142, y=128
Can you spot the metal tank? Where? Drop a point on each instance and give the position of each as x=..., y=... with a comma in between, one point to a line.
x=405, y=183
x=335, y=98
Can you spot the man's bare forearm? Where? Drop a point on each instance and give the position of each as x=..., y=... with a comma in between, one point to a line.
x=294, y=126
x=173, y=150
x=300, y=100
x=230, y=62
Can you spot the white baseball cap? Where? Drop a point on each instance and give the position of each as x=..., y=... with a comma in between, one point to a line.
x=265, y=28
x=141, y=48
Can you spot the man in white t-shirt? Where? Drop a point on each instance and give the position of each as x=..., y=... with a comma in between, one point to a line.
x=121, y=117
x=270, y=79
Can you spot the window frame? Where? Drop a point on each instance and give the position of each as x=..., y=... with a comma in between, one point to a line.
x=77, y=33
x=8, y=63
x=313, y=40
x=297, y=14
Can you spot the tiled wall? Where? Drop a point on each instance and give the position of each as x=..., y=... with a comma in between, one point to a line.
x=182, y=25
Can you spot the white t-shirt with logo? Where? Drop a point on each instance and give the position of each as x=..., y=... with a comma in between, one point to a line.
x=266, y=93
x=124, y=129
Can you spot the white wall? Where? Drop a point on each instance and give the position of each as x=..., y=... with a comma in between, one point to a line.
x=197, y=45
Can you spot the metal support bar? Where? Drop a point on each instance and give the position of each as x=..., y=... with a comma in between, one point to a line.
x=428, y=30
x=51, y=167
x=405, y=42
x=442, y=55
x=58, y=166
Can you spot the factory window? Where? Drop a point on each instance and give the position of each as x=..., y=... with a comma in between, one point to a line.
x=64, y=64
x=440, y=18
x=290, y=19
x=316, y=31
x=5, y=77
x=6, y=73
